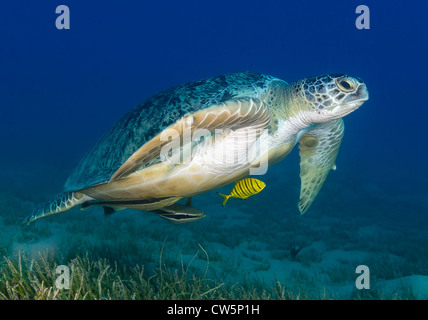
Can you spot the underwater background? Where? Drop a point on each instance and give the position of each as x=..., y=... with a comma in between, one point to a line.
x=61, y=90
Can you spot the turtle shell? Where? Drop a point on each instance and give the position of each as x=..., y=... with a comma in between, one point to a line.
x=155, y=114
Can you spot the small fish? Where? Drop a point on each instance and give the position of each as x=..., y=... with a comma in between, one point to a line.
x=244, y=189
x=178, y=213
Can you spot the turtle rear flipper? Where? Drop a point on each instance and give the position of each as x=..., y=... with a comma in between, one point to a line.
x=62, y=202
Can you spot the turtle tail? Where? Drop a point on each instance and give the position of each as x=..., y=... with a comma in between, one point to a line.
x=62, y=202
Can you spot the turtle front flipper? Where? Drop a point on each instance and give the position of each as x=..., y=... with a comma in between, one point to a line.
x=62, y=202
x=249, y=113
x=318, y=151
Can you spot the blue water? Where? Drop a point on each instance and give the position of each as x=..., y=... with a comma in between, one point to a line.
x=62, y=89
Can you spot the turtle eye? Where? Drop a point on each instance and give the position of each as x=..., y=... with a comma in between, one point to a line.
x=345, y=85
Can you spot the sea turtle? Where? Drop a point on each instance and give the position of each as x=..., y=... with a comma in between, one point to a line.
x=205, y=134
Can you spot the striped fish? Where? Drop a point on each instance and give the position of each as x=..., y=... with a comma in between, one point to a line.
x=244, y=189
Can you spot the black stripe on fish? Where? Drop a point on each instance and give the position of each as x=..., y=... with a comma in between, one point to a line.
x=249, y=186
x=240, y=190
x=255, y=180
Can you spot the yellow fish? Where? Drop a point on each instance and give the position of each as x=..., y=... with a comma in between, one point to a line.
x=244, y=189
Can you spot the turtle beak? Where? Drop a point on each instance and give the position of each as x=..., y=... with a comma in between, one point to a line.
x=357, y=98
x=352, y=102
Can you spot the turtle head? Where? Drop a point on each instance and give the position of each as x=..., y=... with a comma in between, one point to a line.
x=332, y=96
